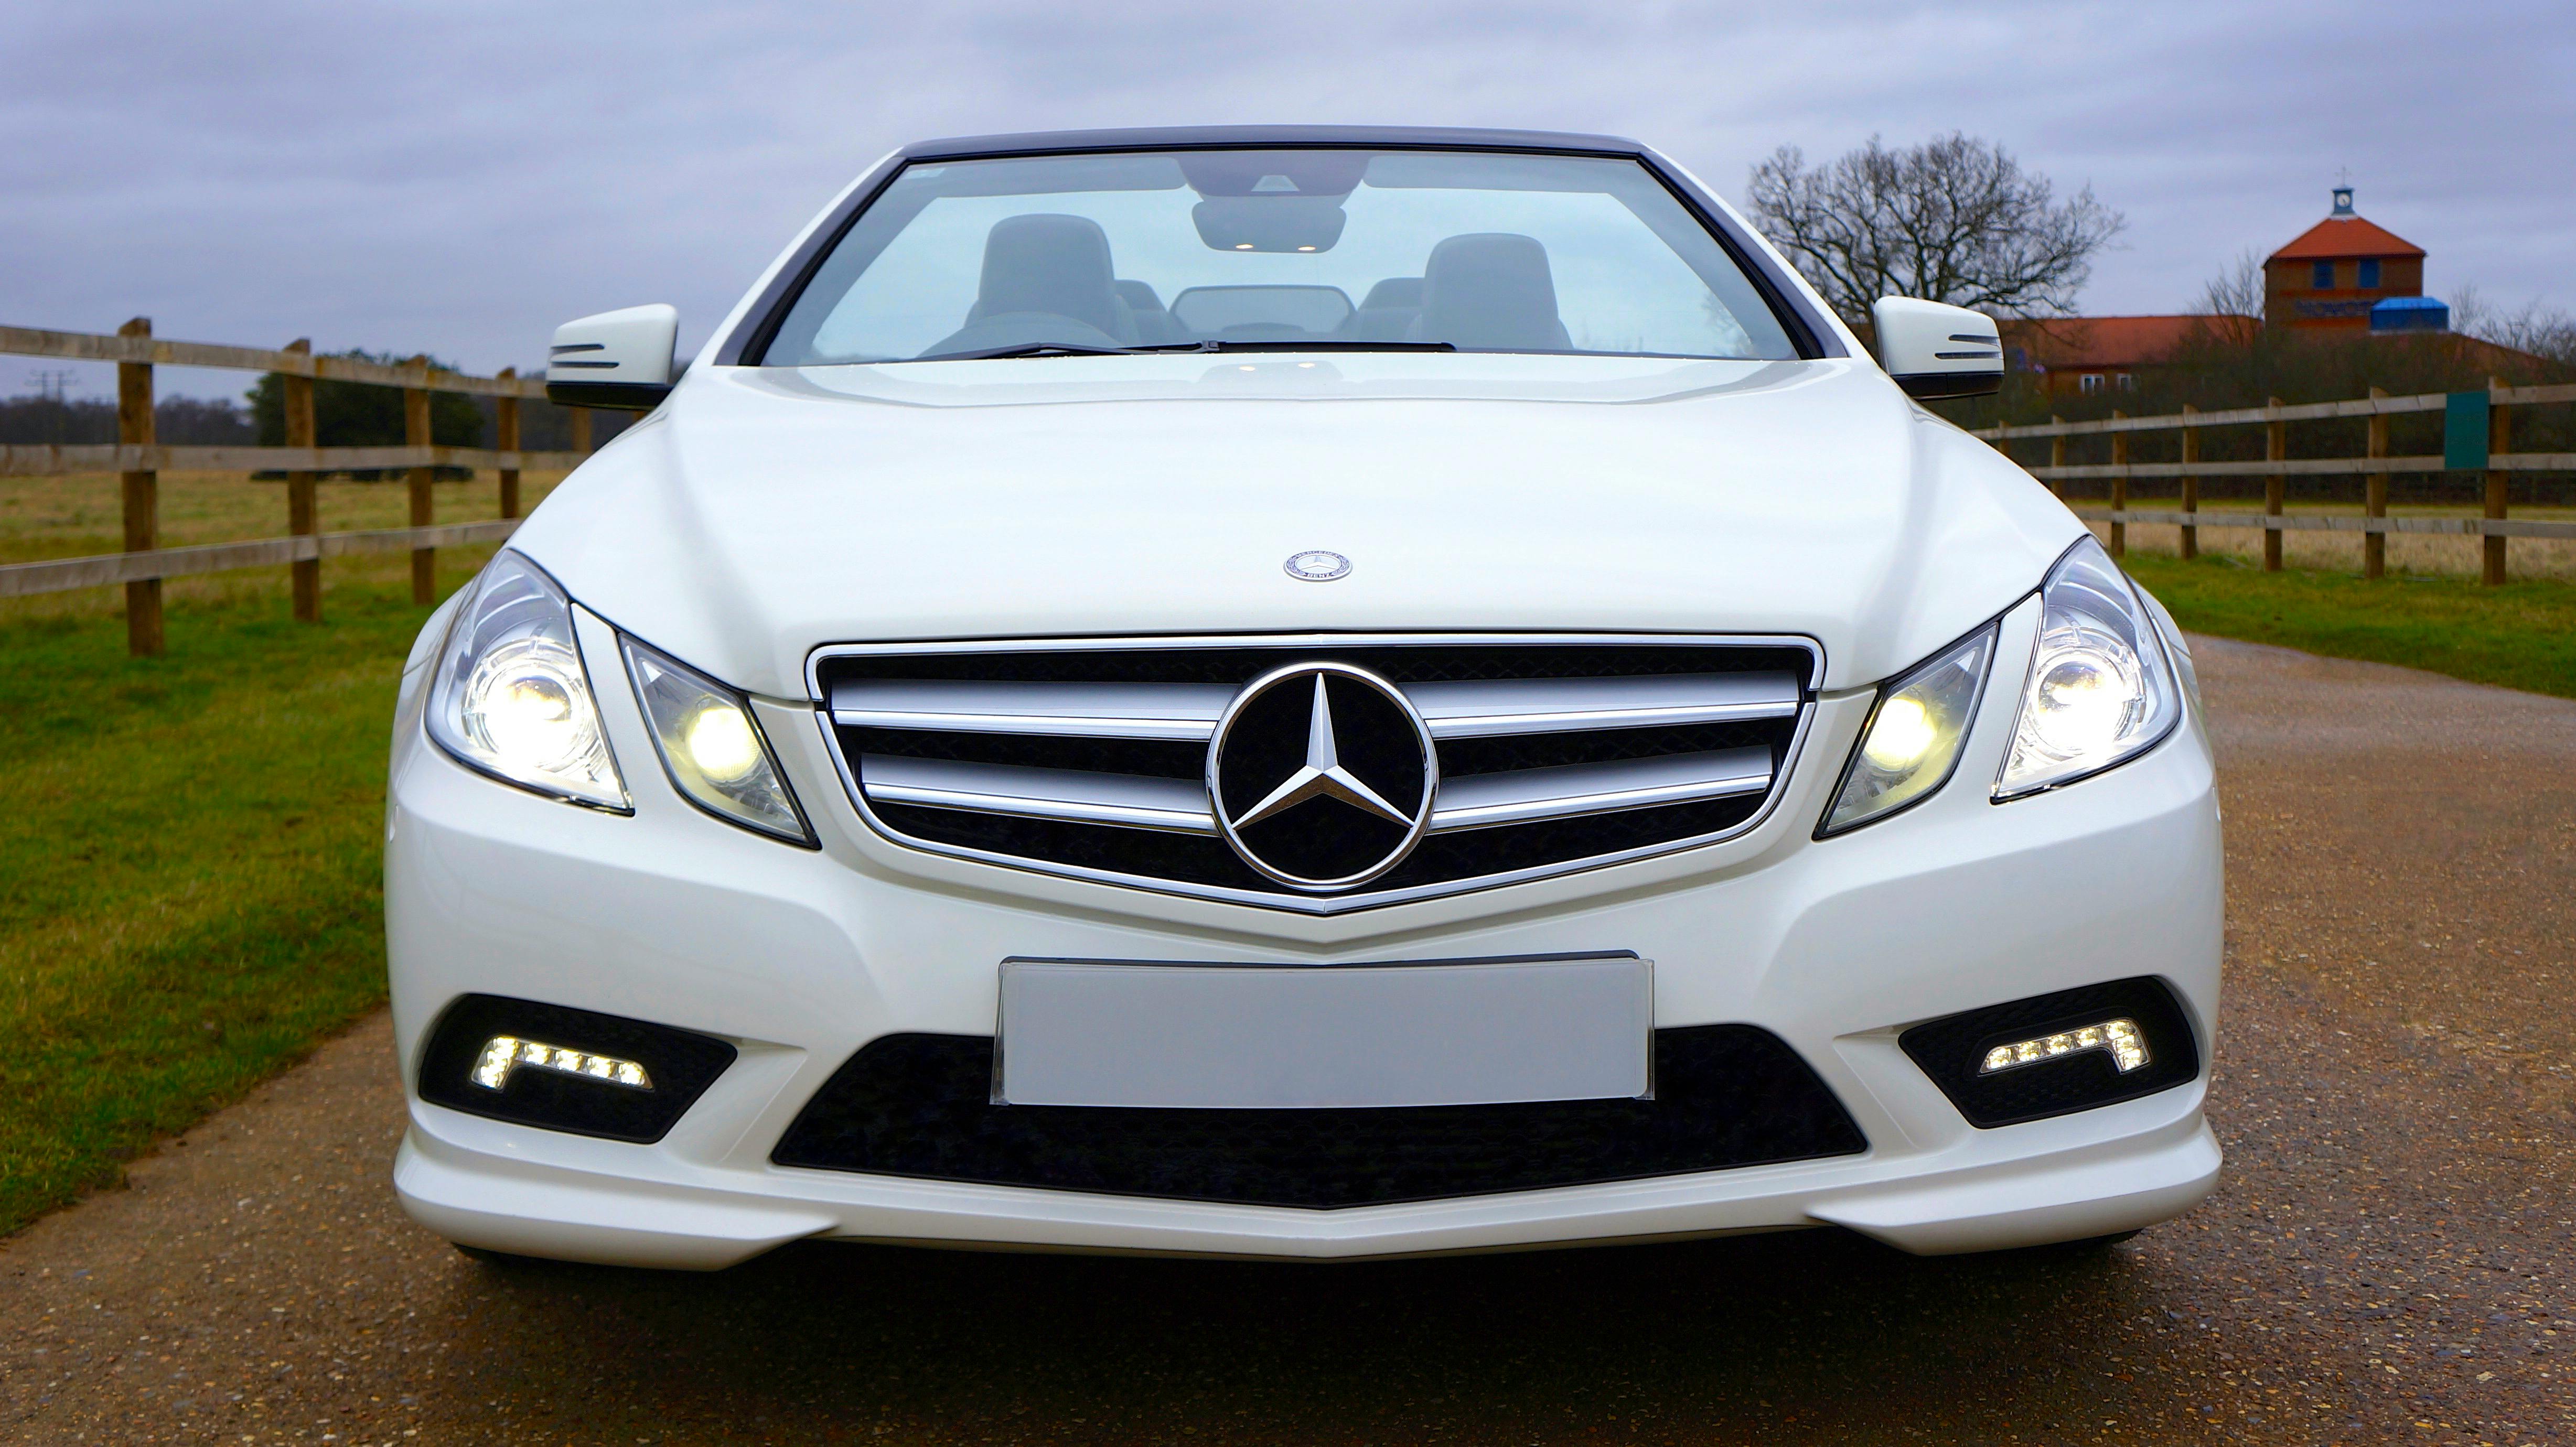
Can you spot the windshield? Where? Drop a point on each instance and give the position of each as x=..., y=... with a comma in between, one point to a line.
x=1339, y=248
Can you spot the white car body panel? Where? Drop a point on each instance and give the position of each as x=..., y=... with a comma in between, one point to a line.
x=739, y=528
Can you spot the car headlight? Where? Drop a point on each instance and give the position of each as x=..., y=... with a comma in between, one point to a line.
x=2101, y=690
x=1915, y=731
x=511, y=697
x=712, y=747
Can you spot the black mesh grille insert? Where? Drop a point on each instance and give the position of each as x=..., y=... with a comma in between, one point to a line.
x=919, y=1105
x=1209, y=863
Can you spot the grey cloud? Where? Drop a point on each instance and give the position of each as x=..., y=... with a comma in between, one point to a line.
x=459, y=177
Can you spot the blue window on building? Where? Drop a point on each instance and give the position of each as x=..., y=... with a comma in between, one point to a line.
x=2321, y=276
x=2369, y=274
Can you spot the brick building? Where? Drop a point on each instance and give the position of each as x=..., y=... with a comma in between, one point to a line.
x=2081, y=356
x=2337, y=270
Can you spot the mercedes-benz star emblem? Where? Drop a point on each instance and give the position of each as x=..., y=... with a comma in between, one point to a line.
x=1322, y=775
x=1318, y=565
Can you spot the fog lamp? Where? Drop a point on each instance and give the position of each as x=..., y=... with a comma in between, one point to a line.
x=503, y=1054
x=2119, y=1039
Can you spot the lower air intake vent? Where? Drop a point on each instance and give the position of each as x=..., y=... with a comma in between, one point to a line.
x=566, y=1069
x=2057, y=1054
x=920, y=1105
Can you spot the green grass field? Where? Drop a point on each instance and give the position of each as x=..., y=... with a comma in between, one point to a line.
x=2522, y=635
x=191, y=853
x=190, y=843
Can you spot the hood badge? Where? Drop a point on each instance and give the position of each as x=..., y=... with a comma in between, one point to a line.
x=1322, y=776
x=1318, y=565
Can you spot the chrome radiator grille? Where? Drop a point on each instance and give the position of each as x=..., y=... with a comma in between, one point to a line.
x=1095, y=758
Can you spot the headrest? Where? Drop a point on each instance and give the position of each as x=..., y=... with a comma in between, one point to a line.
x=1491, y=289
x=1043, y=263
x=1395, y=291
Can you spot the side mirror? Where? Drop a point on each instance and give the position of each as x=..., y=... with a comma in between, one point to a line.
x=619, y=359
x=1933, y=350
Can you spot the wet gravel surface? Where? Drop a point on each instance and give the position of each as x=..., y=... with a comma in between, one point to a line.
x=2388, y=1259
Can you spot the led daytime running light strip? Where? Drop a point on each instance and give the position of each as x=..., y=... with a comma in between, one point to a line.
x=2117, y=1038
x=506, y=1053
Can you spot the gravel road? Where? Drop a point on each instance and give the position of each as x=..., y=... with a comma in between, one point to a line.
x=2389, y=1259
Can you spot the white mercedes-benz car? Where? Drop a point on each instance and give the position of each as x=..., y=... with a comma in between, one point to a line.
x=1310, y=692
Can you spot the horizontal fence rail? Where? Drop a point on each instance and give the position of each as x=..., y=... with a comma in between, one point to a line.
x=151, y=351
x=2299, y=467
x=62, y=575
x=2332, y=523
x=64, y=461
x=138, y=461
x=2500, y=396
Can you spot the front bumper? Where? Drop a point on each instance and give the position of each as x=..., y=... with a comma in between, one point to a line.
x=801, y=957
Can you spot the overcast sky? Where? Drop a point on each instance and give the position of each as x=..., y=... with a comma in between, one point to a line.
x=458, y=177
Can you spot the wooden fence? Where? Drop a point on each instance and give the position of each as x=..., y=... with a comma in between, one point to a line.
x=139, y=462
x=2477, y=441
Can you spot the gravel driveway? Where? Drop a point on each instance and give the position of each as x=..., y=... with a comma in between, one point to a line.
x=2389, y=1258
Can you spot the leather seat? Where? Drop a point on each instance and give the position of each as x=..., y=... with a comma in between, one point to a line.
x=1047, y=278
x=1155, y=323
x=1493, y=291
x=1386, y=314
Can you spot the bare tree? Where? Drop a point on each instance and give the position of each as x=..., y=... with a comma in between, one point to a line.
x=2237, y=290
x=1956, y=219
x=2531, y=327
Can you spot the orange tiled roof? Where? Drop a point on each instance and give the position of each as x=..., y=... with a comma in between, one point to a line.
x=2102, y=343
x=2342, y=238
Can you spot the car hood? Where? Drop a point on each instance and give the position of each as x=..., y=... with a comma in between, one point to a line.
x=764, y=511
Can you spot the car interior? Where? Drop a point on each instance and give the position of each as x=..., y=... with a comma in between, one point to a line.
x=1051, y=279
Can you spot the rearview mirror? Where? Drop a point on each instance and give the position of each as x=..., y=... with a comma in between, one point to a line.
x=619, y=359
x=1269, y=223
x=1935, y=350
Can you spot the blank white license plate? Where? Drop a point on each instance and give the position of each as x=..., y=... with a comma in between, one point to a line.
x=1477, y=1032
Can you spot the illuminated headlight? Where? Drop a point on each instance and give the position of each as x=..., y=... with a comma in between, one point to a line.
x=511, y=697
x=2100, y=689
x=1914, y=734
x=2118, y=1039
x=503, y=1054
x=712, y=747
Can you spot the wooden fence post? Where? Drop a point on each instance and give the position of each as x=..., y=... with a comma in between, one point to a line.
x=2499, y=442
x=424, y=561
x=142, y=495
x=303, y=510
x=2374, y=546
x=2276, y=448
x=2190, y=485
x=581, y=429
x=2119, y=488
x=2057, y=457
x=505, y=438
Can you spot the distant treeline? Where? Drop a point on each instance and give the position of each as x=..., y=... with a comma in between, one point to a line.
x=2233, y=362
x=345, y=414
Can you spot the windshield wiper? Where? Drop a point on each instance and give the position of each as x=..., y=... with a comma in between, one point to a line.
x=1035, y=349
x=1213, y=344
x=1220, y=344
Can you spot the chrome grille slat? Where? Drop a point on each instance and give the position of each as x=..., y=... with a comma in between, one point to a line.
x=1182, y=712
x=1479, y=801
x=1086, y=757
x=1485, y=801
x=1128, y=801
x=1501, y=707
x=1187, y=713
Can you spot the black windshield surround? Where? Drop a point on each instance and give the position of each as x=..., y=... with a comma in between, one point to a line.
x=747, y=343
